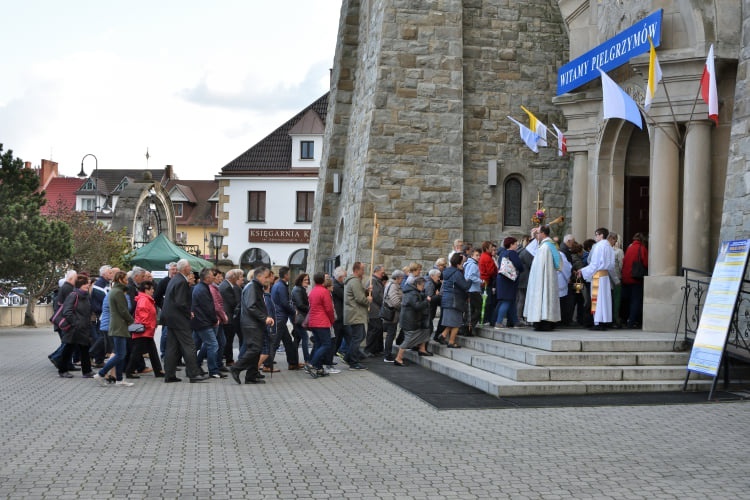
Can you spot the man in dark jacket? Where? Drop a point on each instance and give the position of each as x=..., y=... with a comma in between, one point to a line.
x=253, y=320
x=98, y=293
x=284, y=312
x=231, y=294
x=161, y=289
x=374, y=339
x=339, y=275
x=66, y=287
x=204, y=321
x=176, y=316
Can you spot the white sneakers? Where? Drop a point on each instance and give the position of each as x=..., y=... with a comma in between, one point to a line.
x=101, y=380
x=122, y=383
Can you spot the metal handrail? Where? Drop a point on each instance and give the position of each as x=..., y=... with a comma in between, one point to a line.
x=695, y=288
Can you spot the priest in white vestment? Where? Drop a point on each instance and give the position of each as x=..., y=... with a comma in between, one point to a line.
x=601, y=267
x=542, y=306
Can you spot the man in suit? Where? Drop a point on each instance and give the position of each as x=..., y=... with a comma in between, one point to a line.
x=253, y=320
x=176, y=316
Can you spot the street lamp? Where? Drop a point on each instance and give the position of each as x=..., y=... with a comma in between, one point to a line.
x=217, y=239
x=82, y=174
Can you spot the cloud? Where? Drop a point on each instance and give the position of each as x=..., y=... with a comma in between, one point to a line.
x=282, y=96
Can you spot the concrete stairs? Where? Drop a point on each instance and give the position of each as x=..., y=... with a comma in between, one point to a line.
x=524, y=362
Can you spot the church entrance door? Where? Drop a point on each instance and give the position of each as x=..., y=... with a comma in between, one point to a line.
x=636, y=207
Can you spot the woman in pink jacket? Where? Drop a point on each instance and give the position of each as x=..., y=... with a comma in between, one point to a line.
x=143, y=342
x=320, y=319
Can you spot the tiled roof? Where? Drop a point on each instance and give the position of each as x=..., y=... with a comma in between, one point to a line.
x=198, y=192
x=61, y=191
x=109, y=179
x=274, y=153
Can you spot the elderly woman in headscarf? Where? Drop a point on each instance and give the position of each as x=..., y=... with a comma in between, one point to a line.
x=392, y=296
x=415, y=313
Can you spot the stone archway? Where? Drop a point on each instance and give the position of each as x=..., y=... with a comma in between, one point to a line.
x=145, y=211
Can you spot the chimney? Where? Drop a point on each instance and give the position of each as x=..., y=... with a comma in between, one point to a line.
x=27, y=165
x=48, y=172
x=167, y=173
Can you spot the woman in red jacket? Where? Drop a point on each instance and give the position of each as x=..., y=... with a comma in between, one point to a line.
x=488, y=275
x=143, y=342
x=633, y=285
x=320, y=319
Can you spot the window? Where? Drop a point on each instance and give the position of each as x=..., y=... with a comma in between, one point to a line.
x=256, y=206
x=89, y=185
x=177, y=209
x=254, y=257
x=512, y=202
x=305, y=205
x=307, y=150
x=88, y=204
x=216, y=210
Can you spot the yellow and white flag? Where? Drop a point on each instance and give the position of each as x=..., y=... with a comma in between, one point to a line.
x=654, y=76
x=538, y=127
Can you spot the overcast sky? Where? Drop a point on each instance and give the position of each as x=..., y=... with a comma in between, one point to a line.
x=195, y=82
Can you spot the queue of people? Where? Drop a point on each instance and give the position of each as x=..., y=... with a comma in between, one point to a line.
x=111, y=322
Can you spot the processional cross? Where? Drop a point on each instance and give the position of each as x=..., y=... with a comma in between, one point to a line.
x=538, y=201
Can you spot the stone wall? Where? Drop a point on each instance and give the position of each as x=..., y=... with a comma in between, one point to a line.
x=735, y=223
x=419, y=98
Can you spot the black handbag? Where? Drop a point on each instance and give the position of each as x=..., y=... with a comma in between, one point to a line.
x=638, y=271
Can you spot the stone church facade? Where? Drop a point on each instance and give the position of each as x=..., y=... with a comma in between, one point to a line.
x=417, y=133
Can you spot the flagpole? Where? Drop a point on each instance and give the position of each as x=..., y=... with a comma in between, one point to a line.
x=659, y=126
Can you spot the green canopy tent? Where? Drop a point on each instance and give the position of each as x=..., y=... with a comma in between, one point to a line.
x=160, y=252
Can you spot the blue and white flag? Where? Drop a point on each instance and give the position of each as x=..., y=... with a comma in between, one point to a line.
x=617, y=103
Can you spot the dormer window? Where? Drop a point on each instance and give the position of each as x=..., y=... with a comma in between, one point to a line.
x=123, y=183
x=89, y=186
x=307, y=150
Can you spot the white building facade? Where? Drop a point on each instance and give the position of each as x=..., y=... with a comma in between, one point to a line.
x=267, y=195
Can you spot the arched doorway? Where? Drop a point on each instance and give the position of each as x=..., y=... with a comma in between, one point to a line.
x=297, y=263
x=254, y=257
x=637, y=185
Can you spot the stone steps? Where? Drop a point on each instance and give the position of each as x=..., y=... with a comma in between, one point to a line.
x=516, y=362
x=499, y=386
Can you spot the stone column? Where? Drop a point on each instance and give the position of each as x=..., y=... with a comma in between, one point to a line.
x=580, y=194
x=696, y=199
x=664, y=203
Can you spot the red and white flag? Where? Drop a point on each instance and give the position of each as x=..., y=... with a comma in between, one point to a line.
x=562, y=142
x=708, y=87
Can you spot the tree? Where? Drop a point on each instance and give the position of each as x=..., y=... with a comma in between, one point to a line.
x=93, y=243
x=33, y=247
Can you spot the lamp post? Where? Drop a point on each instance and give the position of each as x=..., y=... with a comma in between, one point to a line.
x=82, y=174
x=217, y=239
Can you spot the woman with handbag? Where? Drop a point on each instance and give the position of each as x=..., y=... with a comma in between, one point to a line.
x=634, y=268
x=302, y=306
x=453, y=305
x=77, y=312
x=143, y=341
x=506, y=286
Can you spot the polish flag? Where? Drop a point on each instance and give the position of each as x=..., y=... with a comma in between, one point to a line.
x=708, y=87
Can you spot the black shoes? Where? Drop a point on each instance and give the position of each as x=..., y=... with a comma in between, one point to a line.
x=254, y=381
x=235, y=375
x=425, y=353
x=169, y=380
x=200, y=378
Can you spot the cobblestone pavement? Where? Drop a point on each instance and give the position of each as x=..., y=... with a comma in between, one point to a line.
x=350, y=435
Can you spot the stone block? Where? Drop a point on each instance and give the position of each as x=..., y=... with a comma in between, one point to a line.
x=661, y=302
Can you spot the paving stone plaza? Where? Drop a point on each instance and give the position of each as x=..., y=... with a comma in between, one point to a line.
x=350, y=435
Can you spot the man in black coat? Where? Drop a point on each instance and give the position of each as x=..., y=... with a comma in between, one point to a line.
x=231, y=293
x=161, y=290
x=284, y=312
x=253, y=320
x=176, y=316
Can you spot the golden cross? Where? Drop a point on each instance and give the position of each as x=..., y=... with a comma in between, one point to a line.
x=538, y=201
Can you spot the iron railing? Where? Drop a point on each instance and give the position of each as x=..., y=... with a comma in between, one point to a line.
x=693, y=299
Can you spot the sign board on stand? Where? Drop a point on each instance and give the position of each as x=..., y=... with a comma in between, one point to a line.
x=716, y=318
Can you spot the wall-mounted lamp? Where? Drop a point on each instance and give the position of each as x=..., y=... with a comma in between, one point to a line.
x=492, y=173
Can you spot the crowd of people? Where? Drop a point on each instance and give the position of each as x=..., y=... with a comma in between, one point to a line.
x=110, y=322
